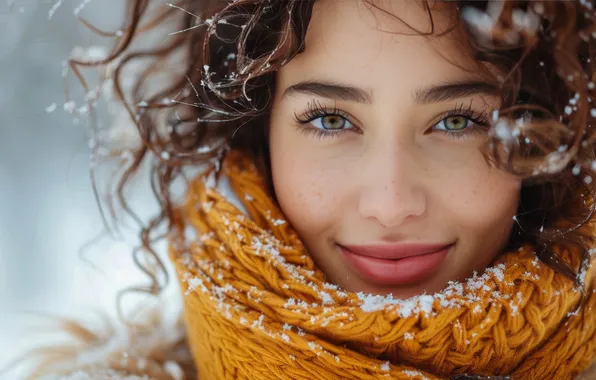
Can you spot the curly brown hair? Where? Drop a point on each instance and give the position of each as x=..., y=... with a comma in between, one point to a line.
x=227, y=54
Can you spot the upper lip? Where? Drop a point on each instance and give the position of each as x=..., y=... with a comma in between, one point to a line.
x=395, y=251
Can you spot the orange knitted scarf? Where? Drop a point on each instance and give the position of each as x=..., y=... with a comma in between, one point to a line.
x=256, y=306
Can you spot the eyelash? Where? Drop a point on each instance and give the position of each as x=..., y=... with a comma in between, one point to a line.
x=317, y=110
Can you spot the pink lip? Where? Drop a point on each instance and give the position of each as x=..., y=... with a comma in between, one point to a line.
x=396, y=264
x=395, y=251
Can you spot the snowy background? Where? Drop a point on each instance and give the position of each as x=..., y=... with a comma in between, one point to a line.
x=47, y=209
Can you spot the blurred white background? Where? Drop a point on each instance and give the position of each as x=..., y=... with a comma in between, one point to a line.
x=47, y=209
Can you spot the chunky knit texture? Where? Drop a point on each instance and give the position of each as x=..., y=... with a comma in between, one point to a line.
x=257, y=307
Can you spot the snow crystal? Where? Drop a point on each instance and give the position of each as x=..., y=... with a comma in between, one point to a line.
x=174, y=370
x=502, y=130
x=407, y=307
x=376, y=302
x=497, y=271
x=69, y=106
x=326, y=298
x=268, y=249
x=51, y=108
x=573, y=313
x=54, y=8
x=411, y=373
x=481, y=21
x=83, y=110
x=525, y=21
x=81, y=6
x=193, y=283
x=426, y=303
x=536, y=262
x=259, y=322
x=582, y=273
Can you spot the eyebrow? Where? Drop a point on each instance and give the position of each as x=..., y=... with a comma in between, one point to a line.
x=434, y=94
x=454, y=90
x=330, y=90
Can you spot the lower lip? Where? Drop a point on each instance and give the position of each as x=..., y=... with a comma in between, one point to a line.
x=396, y=272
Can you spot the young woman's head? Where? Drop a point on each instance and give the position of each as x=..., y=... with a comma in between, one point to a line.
x=388, y=129
x=375, y=140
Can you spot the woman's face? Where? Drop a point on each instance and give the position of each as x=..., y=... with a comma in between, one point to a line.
x=375, y=140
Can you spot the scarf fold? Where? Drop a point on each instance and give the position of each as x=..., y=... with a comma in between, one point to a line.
x=257, y=307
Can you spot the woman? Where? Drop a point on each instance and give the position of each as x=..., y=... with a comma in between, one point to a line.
x=388, y=189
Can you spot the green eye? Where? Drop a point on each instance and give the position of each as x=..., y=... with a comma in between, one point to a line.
x=460, y=123
x=455, y=123
x=333, y=122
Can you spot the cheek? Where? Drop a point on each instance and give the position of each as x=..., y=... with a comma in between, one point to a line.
x=304, y=187
x=307, y=187
x=483, y=202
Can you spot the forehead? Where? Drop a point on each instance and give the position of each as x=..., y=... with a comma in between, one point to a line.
x=377, y=44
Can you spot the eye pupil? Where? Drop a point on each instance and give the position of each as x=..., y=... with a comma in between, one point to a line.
x=456, y=123
x=333, y=122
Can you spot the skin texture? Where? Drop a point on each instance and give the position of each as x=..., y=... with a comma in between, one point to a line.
x=393, y=174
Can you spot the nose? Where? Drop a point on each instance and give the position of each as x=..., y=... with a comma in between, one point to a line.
x=393, y=190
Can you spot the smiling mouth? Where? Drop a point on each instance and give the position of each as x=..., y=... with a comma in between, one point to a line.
x=406, y=265
x=396, y=251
